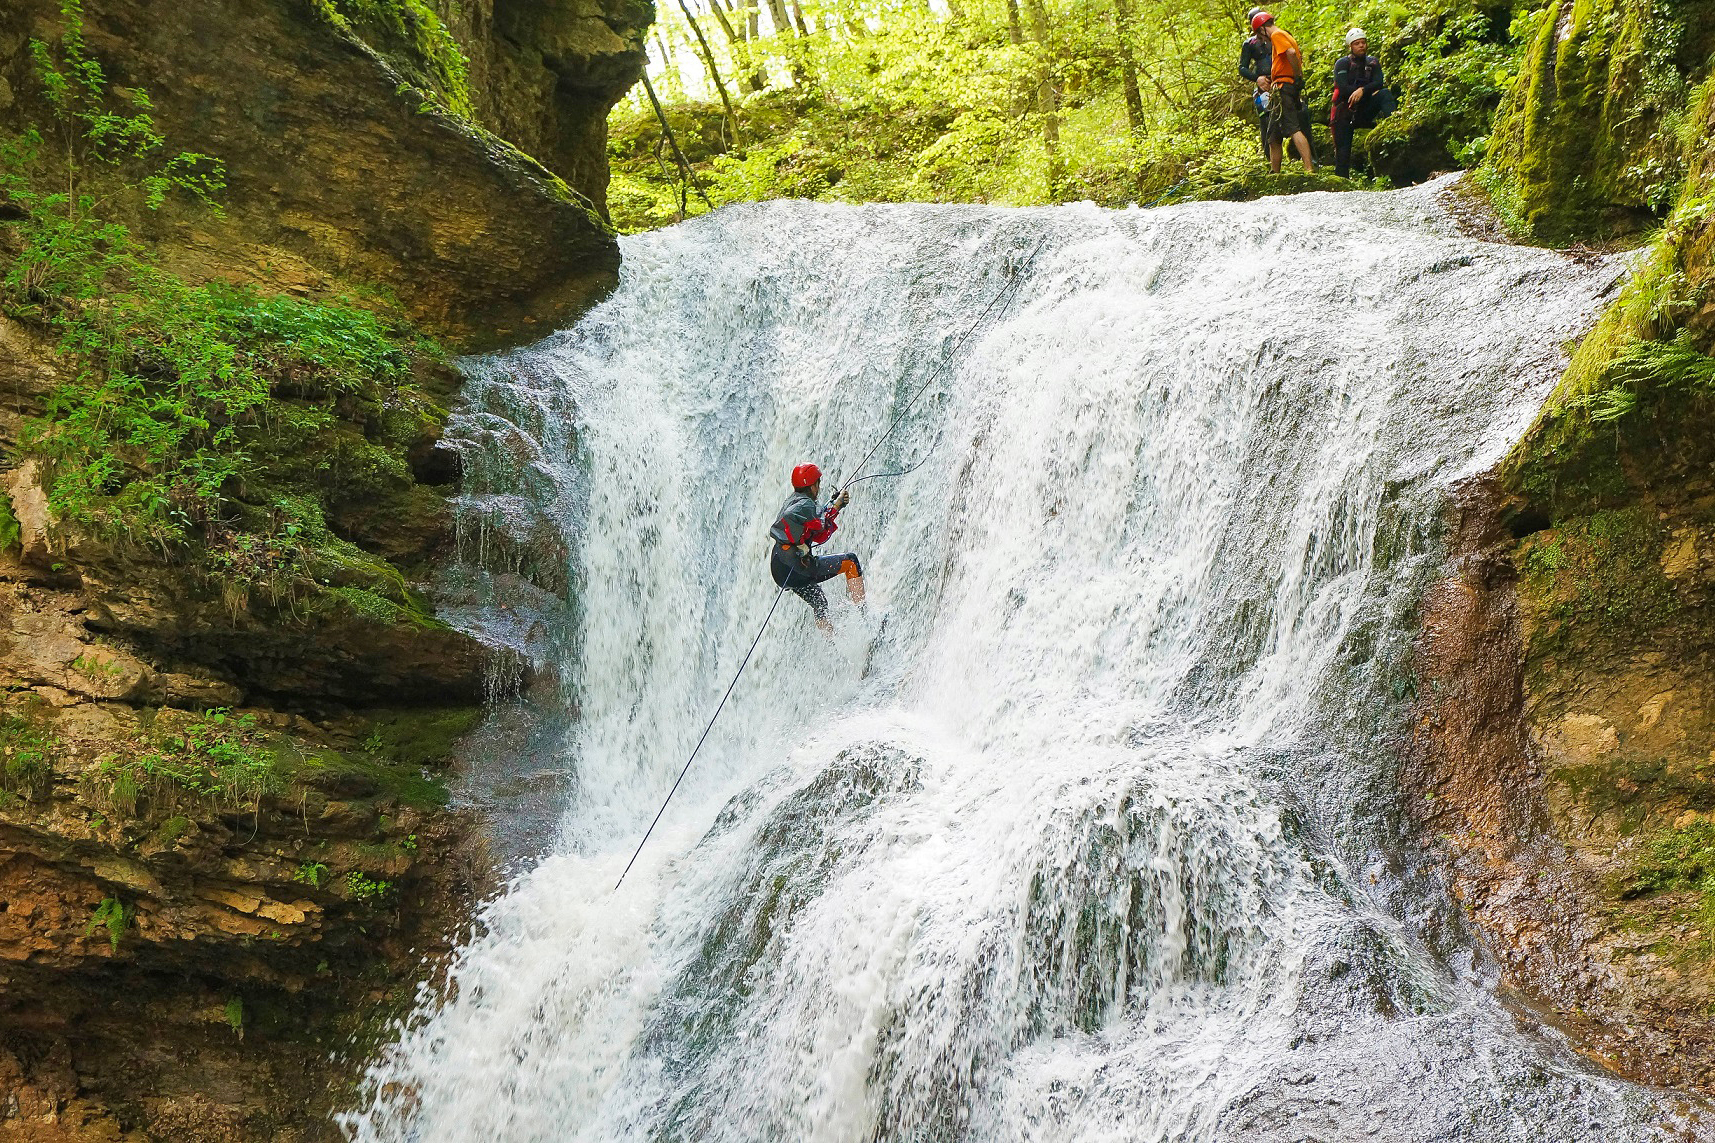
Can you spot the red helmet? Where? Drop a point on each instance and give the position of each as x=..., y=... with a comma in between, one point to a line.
x=806, y=476
x=1258, y=20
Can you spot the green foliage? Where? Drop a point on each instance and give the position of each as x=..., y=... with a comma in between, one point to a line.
x=990, y=105
x=212, y=424
x=217, y=759
x=311, y=873
x=361, y=888
x=113, y=126
x=27, y=751
x=234, y=1012
x=413, y=39
x=111, y=915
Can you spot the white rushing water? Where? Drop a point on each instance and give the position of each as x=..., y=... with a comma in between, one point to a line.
x=1087, y=829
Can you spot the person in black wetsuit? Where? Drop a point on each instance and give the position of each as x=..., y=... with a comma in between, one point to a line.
x=1357, y=97
x=1255, y=60
x=802, y=525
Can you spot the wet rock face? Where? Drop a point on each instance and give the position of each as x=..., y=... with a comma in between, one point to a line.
x=1564, y=764
x=342, y=178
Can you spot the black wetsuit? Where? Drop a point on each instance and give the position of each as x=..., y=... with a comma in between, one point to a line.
x=1255, y=60
x=1352, y=73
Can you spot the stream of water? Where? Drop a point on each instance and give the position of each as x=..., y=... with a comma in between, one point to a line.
x=1087, y=828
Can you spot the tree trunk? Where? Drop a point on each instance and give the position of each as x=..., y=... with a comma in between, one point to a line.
x=751, y=79
x=1128, y=68
x=1014, y=31
x=714, y=72
x=782, y=30
x=671, y=81
x=1047, y=100
x=798, y=21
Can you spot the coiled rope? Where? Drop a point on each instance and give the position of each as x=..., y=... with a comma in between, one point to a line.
x=1003, y=299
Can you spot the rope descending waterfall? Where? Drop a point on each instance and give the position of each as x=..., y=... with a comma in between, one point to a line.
x=1002, y=299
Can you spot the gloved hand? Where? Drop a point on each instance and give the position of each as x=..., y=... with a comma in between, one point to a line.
x=844, y=498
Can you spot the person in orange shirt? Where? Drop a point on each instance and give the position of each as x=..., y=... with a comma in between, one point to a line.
x=1286, y=101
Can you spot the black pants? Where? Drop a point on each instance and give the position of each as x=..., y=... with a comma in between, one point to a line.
x=1345, y=126
x=1344, y=129
x=802, y=575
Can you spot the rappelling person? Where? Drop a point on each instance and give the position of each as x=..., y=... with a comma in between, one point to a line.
x=801, y=526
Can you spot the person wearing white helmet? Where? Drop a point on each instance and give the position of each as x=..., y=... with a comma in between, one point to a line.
x=1286, y=105
x=1357, y=96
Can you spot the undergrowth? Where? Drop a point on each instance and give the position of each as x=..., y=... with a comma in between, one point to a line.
x=218, y=760
x=27, y=751
x=212, y=425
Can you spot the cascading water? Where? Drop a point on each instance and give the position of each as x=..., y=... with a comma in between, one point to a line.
x=1086, y=829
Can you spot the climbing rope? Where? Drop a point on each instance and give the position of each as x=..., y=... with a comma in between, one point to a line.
x=1006, y=293
x=1002, y=299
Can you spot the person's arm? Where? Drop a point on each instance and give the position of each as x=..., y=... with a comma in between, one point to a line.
x=1374, y=87
x=817, y=529
x=1246, y=71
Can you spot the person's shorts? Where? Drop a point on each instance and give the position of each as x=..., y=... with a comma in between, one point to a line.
x=1285, y=113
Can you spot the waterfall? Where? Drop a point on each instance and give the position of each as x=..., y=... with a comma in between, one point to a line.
x=1086, y=828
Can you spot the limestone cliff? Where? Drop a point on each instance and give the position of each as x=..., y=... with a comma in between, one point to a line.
x=345, y=176
x=545, y=73
x=227, y=715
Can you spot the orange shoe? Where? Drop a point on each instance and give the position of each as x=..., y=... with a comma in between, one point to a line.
x=854, y=582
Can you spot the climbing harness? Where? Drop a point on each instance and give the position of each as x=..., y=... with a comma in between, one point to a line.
x=1006, y=293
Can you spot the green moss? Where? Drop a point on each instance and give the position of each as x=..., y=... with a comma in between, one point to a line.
x=412, y=38
x=398, y=759
x=1632, y=791
x=1599, y=575
x=1584, y=145
x=11, y=532
x=422, y=738
x=1678, y=859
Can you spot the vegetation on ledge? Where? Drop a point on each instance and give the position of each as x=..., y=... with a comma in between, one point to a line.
x=216, y=427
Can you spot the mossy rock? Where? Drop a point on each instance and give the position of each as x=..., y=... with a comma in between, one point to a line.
x=1585, y=145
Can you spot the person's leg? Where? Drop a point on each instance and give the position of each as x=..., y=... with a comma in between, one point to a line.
x=852, y=568
x=1274, y=155
x=802, y=576
x=1302, y=142
x=1343, y=129
x=1262, y=132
